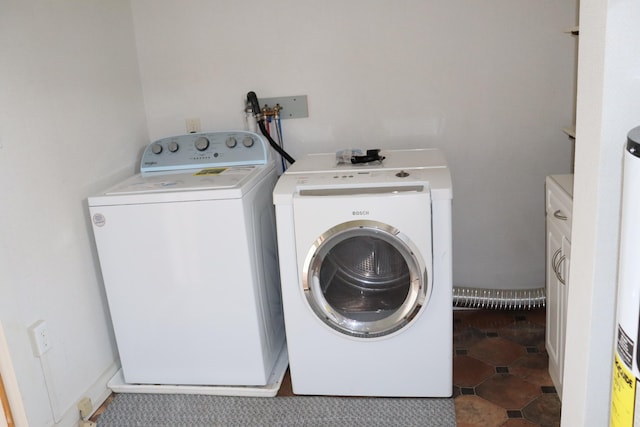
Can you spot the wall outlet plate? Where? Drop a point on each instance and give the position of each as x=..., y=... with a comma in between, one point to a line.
x=293, y=107
x=193, y=125
x=40, y=340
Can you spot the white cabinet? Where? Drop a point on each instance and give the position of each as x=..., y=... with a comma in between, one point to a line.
x=559, y=201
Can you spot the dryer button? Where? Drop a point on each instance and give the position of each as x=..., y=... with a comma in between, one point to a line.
x=402, y=174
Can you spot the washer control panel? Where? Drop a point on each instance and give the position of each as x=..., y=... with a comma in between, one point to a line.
x=205, y=150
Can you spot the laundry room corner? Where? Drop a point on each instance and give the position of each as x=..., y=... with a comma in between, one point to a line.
x=87, y=86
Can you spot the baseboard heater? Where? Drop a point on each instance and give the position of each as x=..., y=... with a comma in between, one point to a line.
x=499, y=299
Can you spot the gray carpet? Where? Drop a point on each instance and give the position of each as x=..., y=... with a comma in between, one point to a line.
x=159, y=410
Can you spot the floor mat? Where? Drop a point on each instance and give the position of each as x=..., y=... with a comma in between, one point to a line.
x=159, y=410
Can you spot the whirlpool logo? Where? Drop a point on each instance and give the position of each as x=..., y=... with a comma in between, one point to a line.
x=360, y=213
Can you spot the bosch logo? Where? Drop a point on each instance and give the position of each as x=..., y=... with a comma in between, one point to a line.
x=360, y=213
x=150, y=163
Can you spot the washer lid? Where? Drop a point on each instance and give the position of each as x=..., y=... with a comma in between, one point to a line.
x=208, y=178
x=201, y=184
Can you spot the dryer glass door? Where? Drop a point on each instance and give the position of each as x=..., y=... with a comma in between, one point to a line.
x=363, y=279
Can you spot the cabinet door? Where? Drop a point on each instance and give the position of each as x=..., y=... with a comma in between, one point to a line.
x=564, y=273
x=556, y=302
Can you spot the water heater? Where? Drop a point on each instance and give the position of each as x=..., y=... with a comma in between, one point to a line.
x=625, y=399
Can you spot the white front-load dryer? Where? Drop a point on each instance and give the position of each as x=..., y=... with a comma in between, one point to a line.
x=365, y=263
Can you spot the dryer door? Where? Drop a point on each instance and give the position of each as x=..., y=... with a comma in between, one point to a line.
x=363, y=279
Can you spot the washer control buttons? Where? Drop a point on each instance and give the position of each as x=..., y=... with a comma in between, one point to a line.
x=205, y=150
x=247, y=141
x=202, y=143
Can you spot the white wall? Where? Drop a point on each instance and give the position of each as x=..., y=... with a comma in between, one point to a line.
x=608, y=107
x=71, y=122
x=490, y=82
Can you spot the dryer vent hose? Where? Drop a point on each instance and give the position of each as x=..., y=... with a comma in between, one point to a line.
x=499, y=299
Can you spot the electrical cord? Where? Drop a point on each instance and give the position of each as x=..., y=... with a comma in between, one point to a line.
x=252, y=98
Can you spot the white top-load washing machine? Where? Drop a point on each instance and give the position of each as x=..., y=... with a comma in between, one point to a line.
x=189, y=261
x=365, y=262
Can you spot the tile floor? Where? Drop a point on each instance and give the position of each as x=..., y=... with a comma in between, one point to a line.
x=500, y=372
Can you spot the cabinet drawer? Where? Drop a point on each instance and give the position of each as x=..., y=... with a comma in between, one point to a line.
x=559, y=205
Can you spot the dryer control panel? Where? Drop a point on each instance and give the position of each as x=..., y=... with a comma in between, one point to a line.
x=204, y=150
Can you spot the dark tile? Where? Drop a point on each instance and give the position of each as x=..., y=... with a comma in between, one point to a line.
x=544, y=411
x=490, y=320
x=508, y=391
x=497, y=351
x=537, y=316
x=467, y=336
x=475, y=411
x=469, y=372
x=514, y=414
x=525, y=333
x=533, y=368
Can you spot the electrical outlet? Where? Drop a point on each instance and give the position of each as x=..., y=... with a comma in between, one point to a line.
x=193, y=125
x=85, y=406
x=40, y=341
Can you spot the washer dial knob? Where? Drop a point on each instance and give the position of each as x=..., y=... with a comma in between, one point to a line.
x=202, y=143
x=247, y=141
x=173, y=146
x=156, y=148
x=231, y=142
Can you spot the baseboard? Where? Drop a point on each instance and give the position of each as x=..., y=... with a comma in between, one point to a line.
x=98, y=393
